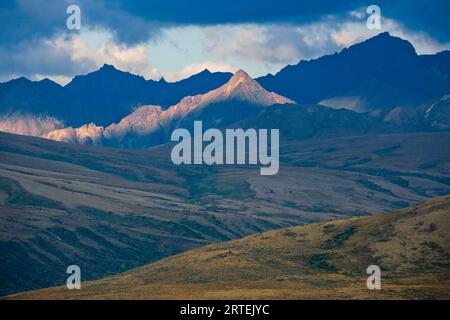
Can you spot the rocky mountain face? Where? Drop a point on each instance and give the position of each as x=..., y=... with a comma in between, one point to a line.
x=103, y=96
x=243, y=103
x=437, y=114
x=239, y=98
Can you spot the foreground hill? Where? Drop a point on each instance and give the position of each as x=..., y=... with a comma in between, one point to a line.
x=110, y=210
x=321, y=260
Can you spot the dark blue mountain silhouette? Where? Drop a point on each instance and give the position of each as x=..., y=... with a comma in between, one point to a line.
x=380, y=73
x=103, y=96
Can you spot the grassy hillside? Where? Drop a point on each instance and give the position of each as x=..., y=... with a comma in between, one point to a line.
x=111, y=210
x=321, y=260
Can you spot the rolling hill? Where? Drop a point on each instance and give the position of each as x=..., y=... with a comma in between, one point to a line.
x=109, y=210
x=317, y=261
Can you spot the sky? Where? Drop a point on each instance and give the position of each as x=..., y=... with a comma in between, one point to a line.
x=177, y=38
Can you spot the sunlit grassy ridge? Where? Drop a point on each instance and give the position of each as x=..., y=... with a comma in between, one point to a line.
x=321, y=260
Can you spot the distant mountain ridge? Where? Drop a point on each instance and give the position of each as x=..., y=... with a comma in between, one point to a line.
x=380, y=73
x=103, y=96
x=239, y=98
x=380, y=85
x=243, y=103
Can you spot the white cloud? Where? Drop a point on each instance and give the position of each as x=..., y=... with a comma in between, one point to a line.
x=64, y=56
x=62, y=80
x=132, y=59
x=352, y=30
x=257, y=48
x=29, y=124
x=268, y=46
x=253, y=43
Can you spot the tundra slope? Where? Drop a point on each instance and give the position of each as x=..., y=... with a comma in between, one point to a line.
x=317, y=261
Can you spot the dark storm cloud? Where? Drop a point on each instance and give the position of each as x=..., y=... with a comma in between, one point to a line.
x=213, y=12
x=418, y=15
x=37, y=56
x=32, y=19
x=25, y=25
x=25, y=20
x=431, y=16
x=136, y=21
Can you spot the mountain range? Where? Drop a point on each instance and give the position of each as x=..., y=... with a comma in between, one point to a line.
x=239, y=98
x=377, y=86
x=242, y=102
x=381, y=73
x=102, y=96
x=382, y=76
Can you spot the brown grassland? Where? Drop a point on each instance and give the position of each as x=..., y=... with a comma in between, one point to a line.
x=326, y=260
x=112, y=210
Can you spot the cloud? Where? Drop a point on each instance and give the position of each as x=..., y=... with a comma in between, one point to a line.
x=30, y=125
x=22, y=20
x=271, y=46
x=27, y=20
x=253, y=43
x=257, y=36
x=64, y=56
x=132, y=59
x=40, y=56
x=134, y=22
x=350, y=32
x=206, y=12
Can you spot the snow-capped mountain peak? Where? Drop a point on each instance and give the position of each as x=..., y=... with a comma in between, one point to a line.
x=240, y=87
x=244, y=88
